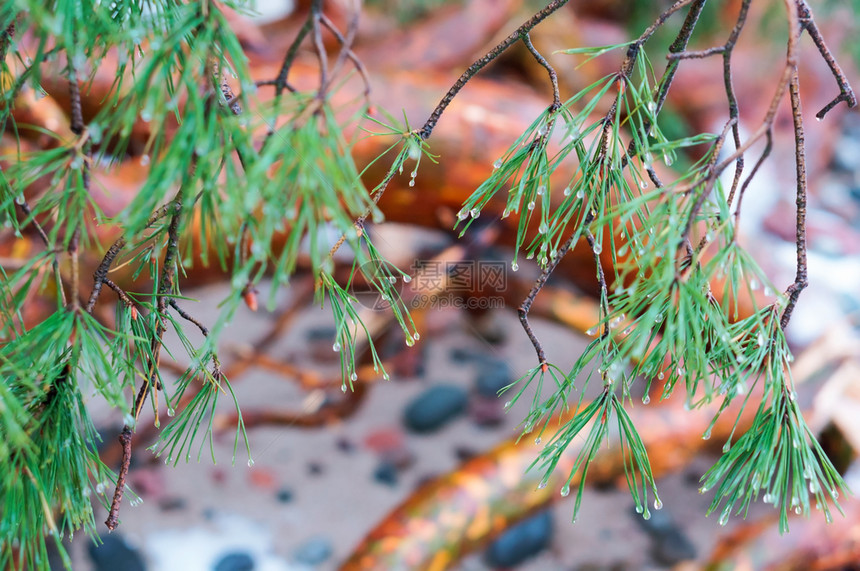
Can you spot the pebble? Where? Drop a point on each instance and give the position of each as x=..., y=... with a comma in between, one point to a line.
x=263, y=478
x=284, y=495
x=114, y=553
x=669, y=545
x=314, y=551
x=384, y=439
x=386, y=473
x=522, y=541
x=235, y=561
x=435, y=407
x=493, y=377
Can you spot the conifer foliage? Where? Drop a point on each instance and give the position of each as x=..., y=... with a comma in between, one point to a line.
x=232, y=174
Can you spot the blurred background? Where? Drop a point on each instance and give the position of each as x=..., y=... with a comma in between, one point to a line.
x=328, y=468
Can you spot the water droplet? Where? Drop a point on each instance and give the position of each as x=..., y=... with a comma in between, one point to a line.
x=463, y=214
x=416, y=336
x=497, y=164
x=592, y=331
x=661, y=375
x=508, y=405
x=726, y=447
x=540, y=190
x=170, y=411
x=659, y=318
x=144, y=160
x=412, y=182
x=797, y=510
x=598, y=248
x=250, y=462
x=658, y=504
x=768, y=291
x=638, y=509
x=531, y=205
x=514, y=266
x=541, y=131
x=646, y=399
x=652, y=107
x=335, y=347
x=410, y=341
x=580, y=194
x=400, y=170
x=668, y=160
x=475, y=213
x=707, y=434
x=565, y=491
x=392, y=280
x=407, y=278
x=353, y=377
x=567, y=191
x=543, y=228
x=724, y=519
x=343, y=387
x=753, y=284
x=146, y=115
x=646, y=515
x=542, y=485
x=537, y=440
x=506, y=213
x=643, y=184
x=760, y=339
x=385, y=377
x=813, y=487
x=100, y=488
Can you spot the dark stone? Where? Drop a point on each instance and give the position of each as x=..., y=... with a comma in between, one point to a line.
x=314, y=551
x=345, y=445
x=320, y=334
x=235, y=561
x=315, y=468
x=114, y=553
x=465, y=453
x=284, y=495
x=172, y=503
x=386, y=473
x=669, y=545
x=493, y=377
x=522, y=541
x=433, y=408
x=465, y=355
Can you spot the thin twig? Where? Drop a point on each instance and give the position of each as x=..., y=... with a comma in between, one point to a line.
x=800, y=279
x=280, y=82
x=483, y=61
x=525, y=307
x=77, y=127
x=346, y=49
x=553, y=76
x=113, y=515
x=316, y=35
x=203, y=329
x=734, y=112
x=845, y=92
x=104, y=267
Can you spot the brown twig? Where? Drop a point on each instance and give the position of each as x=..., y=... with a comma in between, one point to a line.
x=800, y=279
x=346, y=49
x=846, y=94
x=113, y=514
x=553, y=76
